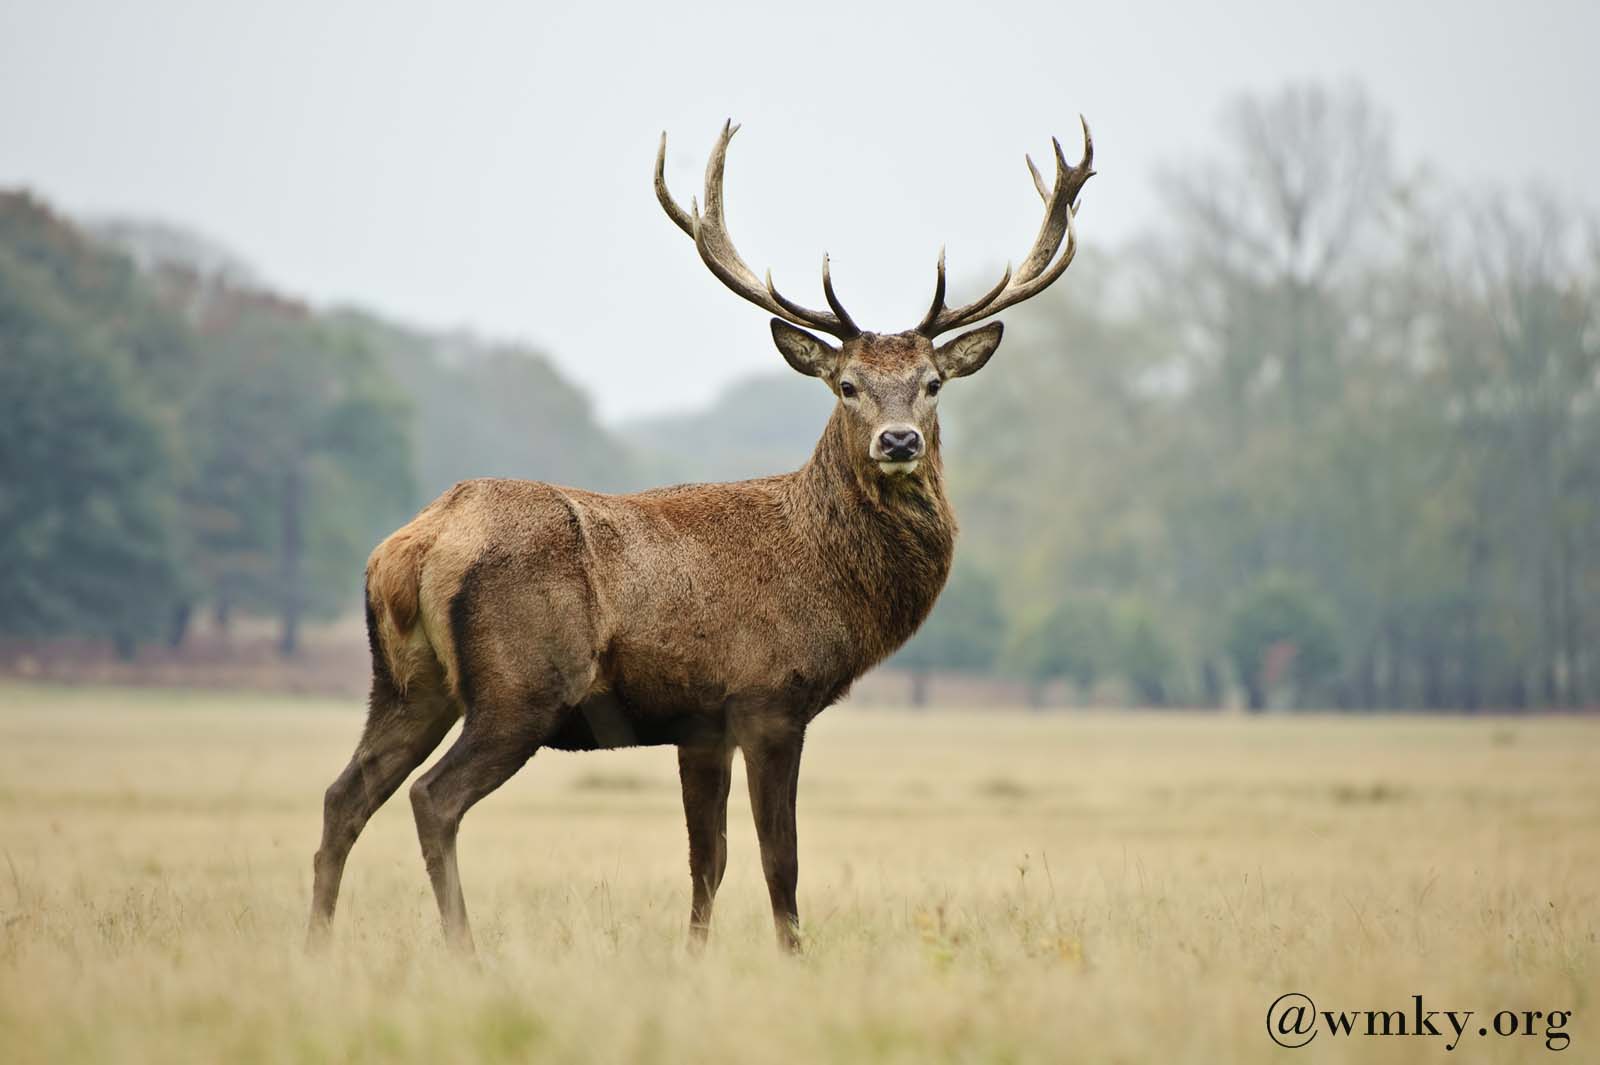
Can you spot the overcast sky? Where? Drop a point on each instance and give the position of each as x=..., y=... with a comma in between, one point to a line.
x=488, y=165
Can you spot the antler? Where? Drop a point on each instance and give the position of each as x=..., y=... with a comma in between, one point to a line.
x=710, y=235
x=1036, y=272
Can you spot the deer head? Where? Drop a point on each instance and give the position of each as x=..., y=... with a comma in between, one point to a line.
x=888, y=384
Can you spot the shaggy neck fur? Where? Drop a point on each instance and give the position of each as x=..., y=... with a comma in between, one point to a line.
x=886, y=540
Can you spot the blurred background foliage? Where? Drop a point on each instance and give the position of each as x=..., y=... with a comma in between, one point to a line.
x=1328, y=435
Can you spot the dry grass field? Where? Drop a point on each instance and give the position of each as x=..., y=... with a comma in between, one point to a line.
x=1006, y=888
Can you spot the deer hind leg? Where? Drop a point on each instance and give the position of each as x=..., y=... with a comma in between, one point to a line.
x=705, y=771
x=493, y=745
x=400, y=732
x=516, y=683
x=771, y=746
x=523, y=649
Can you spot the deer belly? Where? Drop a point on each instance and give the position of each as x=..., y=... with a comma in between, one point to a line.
x=605, y=722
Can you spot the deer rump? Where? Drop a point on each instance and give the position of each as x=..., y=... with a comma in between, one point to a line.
x=560, y=602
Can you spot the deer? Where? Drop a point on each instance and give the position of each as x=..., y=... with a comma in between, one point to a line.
x=711, y=617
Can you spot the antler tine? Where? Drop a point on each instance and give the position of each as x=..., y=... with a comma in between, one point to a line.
x=712, y=240
x=800, y=315
x=938, y=298
x=679, y=216
x=1036, y=272
x=1038, y=181
x=827, y=293
x=1054, y=226
x=941, y=319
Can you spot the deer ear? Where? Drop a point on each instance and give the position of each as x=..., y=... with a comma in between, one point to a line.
x=967, y=353
x=801, y=350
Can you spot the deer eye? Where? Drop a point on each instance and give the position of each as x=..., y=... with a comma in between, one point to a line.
x=847, y=390
x=934, y=386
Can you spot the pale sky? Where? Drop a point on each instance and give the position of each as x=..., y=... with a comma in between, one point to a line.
x=488, y=165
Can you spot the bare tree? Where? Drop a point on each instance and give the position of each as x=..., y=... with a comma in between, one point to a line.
x=1266, y=229
x=1521, y=324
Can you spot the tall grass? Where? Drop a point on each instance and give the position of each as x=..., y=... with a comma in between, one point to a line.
x=974, y=888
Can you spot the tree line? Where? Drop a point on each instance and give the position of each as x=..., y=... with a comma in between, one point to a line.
x=176, y=437
x=1327, y=435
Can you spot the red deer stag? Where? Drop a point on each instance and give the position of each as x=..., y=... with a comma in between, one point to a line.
x=710, y=617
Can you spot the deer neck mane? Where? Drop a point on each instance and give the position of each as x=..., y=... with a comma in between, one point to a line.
x=886, y=542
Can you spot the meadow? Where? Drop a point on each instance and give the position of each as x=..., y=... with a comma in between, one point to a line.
x=980, y=887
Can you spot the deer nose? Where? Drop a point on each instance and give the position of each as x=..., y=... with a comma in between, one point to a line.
x=900, y=445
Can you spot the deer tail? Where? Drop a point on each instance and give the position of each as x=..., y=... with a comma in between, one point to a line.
x=394, y=583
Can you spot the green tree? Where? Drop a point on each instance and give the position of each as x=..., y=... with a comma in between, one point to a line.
x=962, y=634
x=1073, y=640
x=302, y=456
x=87, y=501
x=1143, y=654
x=1280, y=633
x=487, y=410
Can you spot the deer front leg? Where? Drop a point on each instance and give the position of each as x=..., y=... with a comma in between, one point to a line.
x=772, y=765
x=705, y=771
